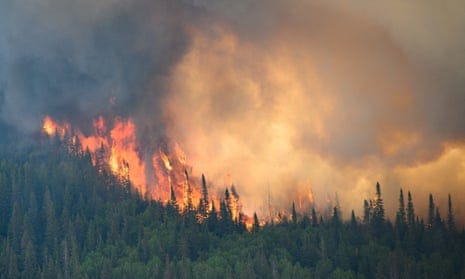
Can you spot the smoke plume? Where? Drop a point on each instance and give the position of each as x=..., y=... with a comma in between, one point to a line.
x=285, y=99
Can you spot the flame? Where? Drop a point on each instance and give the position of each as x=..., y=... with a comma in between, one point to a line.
x=165, y=160
x=51, y=127
x=114, y=148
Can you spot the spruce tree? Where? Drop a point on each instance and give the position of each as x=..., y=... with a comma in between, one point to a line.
x=366, y=212
x=256, y=223
x=437, y=223
x=204, y=200
x=410, y=210
x=379, y=205
x=294, y=214
x=401, y=217
x=188, y=205
x=450, y=216
x=212, y=219
x=378, y=221
x=431, y=208
x=173, y=201
x=401, y=214
x=314, y=218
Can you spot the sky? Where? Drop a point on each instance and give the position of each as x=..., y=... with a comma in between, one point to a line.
x=281, y=98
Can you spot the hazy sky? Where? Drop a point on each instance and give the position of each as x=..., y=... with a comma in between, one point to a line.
x=274, y=96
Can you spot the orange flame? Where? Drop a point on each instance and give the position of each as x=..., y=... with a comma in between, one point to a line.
x=51, y=128
x=115, y=149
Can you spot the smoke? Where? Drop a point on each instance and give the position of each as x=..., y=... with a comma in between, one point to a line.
x=281, y=98
x=77, y=60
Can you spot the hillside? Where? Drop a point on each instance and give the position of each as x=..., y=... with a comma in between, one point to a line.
x=63, y=218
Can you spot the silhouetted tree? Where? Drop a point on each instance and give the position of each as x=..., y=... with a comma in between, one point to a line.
x=256, y=223
x=294, y=214
x=450, y=215
x=431, y=208
x=203, y=208
x=401, y=214
x=314, y=218
x=410, y=210
x=378, y=221
x=366, y=212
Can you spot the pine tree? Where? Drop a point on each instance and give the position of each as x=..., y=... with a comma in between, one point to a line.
x=212, y=219
x=15, y=228
x=227, y=202
x=437, y=223
x=450, y=216
x=431, y=208
x=410, y=210
x=378, y=221
x=172, y=196
x=353, y=219
x=294, y=214
x=379, y=204
x=366, y=212
x=188, y=206
x=204, y=200
x=401, y=221
x=401, y=214
x=335, y=219
x=256, y=223
x=314, y=218
x=13, y=271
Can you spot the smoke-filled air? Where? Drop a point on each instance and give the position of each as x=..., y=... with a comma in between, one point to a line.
x=310, y=102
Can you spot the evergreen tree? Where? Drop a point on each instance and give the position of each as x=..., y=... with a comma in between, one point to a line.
x=335, y=218
x=172, y=207
x=366, y=212
x=188, y=205
x=13, y=271
x=212, y=219
x=15, y=228
x=314, y=218
x=353, y=219
x=378, y=221
x=294, y=214
x=437, y=223
x=379, y=205
x=410, y=210
x=431, y=208
x=256, y=223
x=450, y=216
x=401, y=217
x=401, y=214
x=227, y=204
x=203, y=208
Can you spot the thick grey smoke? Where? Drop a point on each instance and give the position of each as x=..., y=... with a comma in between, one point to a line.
x=282, y=95
x=75, y=60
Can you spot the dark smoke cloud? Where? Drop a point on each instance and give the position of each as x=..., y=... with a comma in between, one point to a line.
x=329, y=95
x=75, y=60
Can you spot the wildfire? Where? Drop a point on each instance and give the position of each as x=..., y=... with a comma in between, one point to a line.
x=114, y=148
x=52, y=128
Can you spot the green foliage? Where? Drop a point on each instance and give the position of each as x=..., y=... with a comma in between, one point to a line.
x=61, y=217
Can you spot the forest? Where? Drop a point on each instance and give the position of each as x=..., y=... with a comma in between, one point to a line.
x=63, y=217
